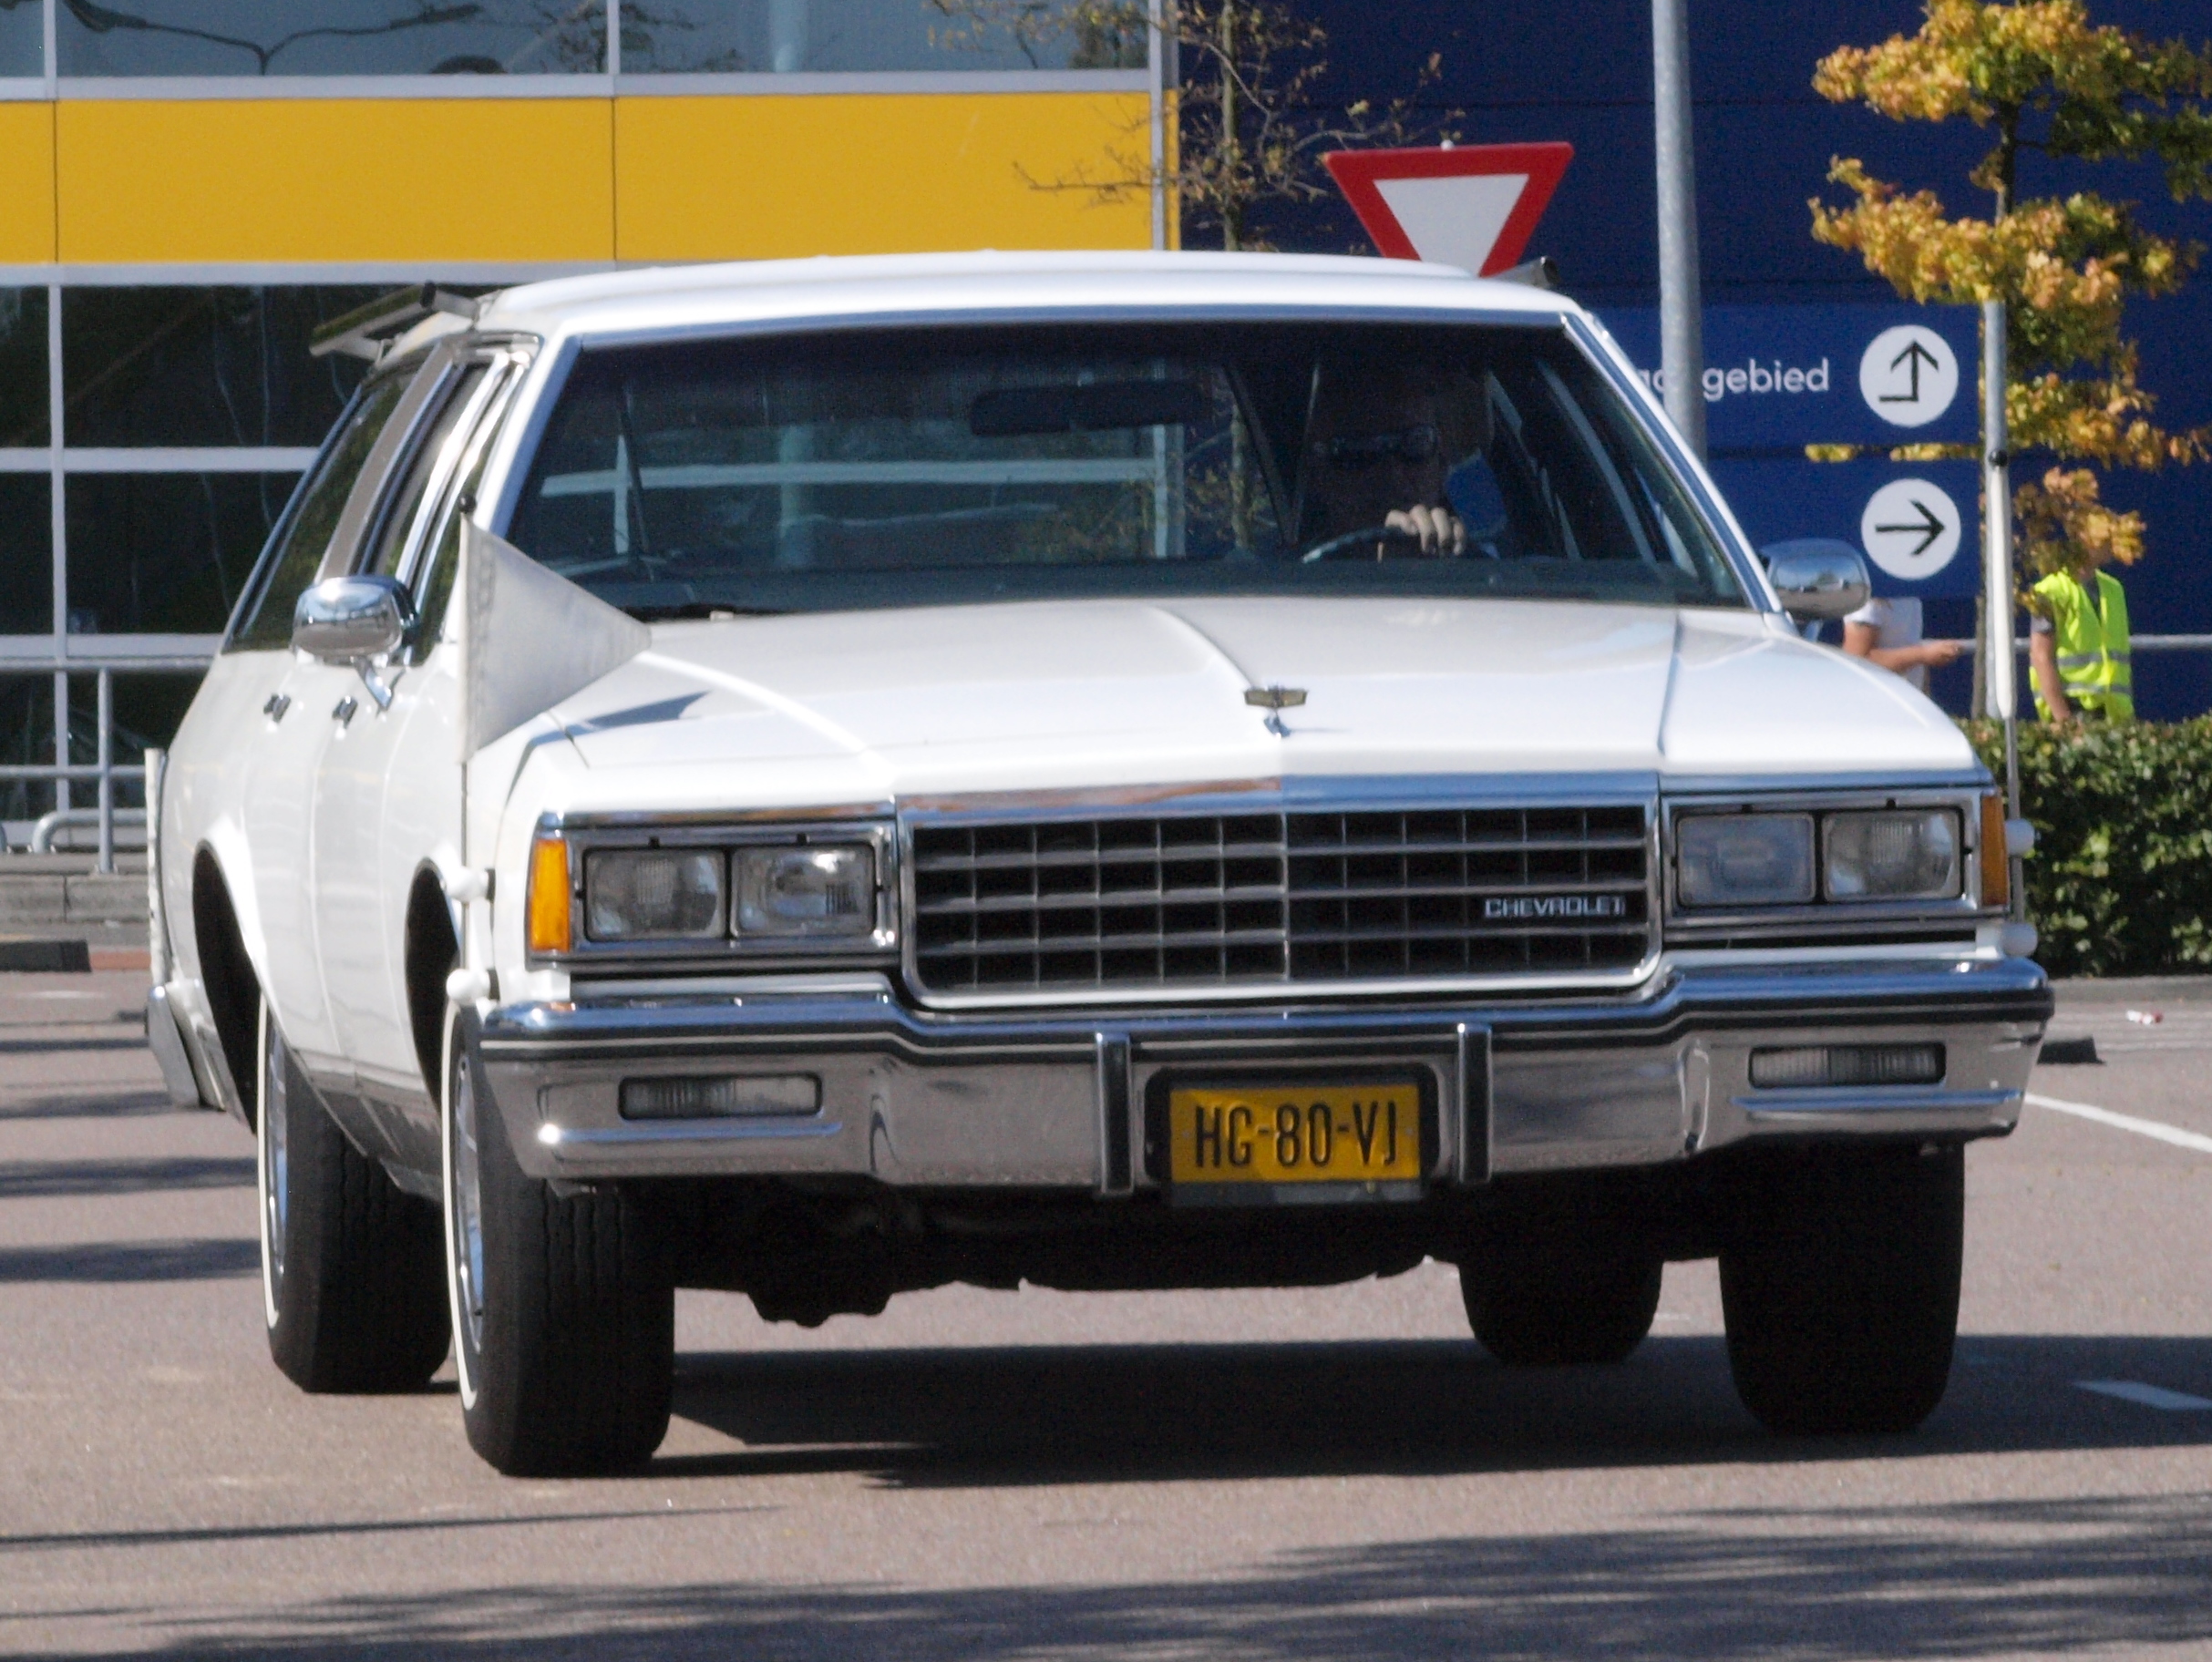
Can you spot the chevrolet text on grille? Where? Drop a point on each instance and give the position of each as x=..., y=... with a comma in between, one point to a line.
x=1556, y=906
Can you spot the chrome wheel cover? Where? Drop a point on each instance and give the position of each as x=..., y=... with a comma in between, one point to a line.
x=272, y=1119
x=467, y=1236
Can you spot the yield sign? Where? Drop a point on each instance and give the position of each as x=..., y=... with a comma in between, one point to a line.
x=1473, y=206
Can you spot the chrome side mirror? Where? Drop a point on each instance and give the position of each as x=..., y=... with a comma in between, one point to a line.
x=1817, y=577
x=355, y=620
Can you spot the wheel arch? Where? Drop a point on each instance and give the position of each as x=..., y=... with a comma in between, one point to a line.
x=229, y=978
x=429, y=950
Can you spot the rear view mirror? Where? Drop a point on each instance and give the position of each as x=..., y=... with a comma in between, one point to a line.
x=1817, y=577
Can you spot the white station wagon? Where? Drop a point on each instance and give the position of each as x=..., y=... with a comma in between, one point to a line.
x=832, y=779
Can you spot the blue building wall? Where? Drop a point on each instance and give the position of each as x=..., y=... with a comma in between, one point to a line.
x=1583, y=73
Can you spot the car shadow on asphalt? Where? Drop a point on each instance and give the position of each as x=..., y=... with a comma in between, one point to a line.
x=76, y=1179
x=2109, y=1574
x=81, y=1105
x=1025, y=1416
x=117, y=1262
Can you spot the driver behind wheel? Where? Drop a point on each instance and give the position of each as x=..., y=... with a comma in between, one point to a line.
x=1379, y=447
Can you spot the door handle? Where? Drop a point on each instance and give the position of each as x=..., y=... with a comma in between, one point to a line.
x=278, y=704
x=342, y=712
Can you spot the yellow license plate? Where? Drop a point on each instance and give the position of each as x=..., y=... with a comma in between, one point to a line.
x=1294, y=1133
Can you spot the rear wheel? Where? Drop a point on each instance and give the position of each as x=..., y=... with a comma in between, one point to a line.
x=563, y=1319
x=1839, y=1281
x=1548, y=1302
x=350, y=1286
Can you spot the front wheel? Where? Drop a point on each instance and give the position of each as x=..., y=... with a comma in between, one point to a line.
x=351, y=1290
x=563, y=1319
x=1839, y=1284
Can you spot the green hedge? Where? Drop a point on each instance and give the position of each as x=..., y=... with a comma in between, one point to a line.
x=2121, y=879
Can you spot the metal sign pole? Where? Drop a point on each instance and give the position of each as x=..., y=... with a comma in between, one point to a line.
x=1997, y=565
x=1681, y=336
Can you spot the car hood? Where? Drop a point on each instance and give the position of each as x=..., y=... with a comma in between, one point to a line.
x=874, y=706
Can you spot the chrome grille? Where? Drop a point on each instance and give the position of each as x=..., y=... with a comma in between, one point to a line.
x=1232, y=899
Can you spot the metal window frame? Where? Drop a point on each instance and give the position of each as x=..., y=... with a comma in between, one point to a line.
x=612, y=81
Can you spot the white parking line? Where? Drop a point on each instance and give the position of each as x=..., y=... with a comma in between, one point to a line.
x=2150, y=1396
x=2127, y=1122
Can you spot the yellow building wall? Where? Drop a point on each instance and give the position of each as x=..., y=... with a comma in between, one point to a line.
x=342, y=179
x=524, y=180
x=27, y=184
x=750, y=177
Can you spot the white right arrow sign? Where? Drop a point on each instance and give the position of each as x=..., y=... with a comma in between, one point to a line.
x=1910, y=529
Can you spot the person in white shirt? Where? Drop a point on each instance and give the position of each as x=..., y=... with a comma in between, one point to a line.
x=1887, y=632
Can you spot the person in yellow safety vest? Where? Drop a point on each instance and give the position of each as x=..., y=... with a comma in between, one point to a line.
x=2078, y=647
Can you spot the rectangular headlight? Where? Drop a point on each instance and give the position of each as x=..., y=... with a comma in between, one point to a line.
x=1912, y=855
x=805, y=891
x=1743, y=859
x=653, y=894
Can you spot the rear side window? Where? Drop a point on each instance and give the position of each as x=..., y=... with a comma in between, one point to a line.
x=292, y=563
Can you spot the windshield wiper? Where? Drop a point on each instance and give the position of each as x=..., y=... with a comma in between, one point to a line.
x=702, y=609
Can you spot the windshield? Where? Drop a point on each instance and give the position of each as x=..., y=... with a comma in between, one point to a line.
x=923, y=467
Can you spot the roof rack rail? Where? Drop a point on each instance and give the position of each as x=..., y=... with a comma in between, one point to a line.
x=366, y=331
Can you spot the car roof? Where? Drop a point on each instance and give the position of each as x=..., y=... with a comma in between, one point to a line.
x=689, y=298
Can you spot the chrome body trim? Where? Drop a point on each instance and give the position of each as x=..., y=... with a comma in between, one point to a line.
x=926, y=1098
x=1866, y=1099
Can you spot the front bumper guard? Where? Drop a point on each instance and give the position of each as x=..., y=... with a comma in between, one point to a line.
x=1054, y=1101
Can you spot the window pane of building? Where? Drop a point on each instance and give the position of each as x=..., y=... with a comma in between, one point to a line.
x=828, y=37
x=149, y=709
x=23, y=367
x=22, y=38
x=185, y=366
x=166, y=553
x=27, y=554
x=26, y=739
x=333, y=37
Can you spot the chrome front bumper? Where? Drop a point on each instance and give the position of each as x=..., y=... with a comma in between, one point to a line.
x=1050, y=1101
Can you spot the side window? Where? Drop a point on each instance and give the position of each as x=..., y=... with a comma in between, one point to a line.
x=388, y=545
x=292, y=564
x=434, y=583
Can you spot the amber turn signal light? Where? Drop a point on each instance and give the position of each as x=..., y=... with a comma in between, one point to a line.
x=1996, y=865
x=549, y=928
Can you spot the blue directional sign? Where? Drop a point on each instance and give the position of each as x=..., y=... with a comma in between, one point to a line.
x=1917, y=522
x=1778, y=377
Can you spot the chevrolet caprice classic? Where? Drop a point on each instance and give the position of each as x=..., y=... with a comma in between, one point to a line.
x=833, y=778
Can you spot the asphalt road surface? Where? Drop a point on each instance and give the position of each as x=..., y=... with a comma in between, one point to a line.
x=980, y=1475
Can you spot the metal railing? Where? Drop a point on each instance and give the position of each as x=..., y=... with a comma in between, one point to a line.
x=104, y=770
x=2148, y=643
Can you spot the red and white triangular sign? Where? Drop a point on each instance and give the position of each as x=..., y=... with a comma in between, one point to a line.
x=1474, y=206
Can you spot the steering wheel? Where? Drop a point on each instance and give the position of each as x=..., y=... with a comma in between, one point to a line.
x=1367, y=536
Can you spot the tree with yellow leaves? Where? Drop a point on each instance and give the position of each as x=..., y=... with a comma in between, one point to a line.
x=2046, y=81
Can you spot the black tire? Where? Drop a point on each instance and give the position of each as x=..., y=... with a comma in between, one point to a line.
x=1545, y=1301
x=352, y=1270
x=564, y=1318
x=1839, y=1281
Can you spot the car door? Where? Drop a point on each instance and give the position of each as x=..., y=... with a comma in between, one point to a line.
x=278, y=753
x=387, y=783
